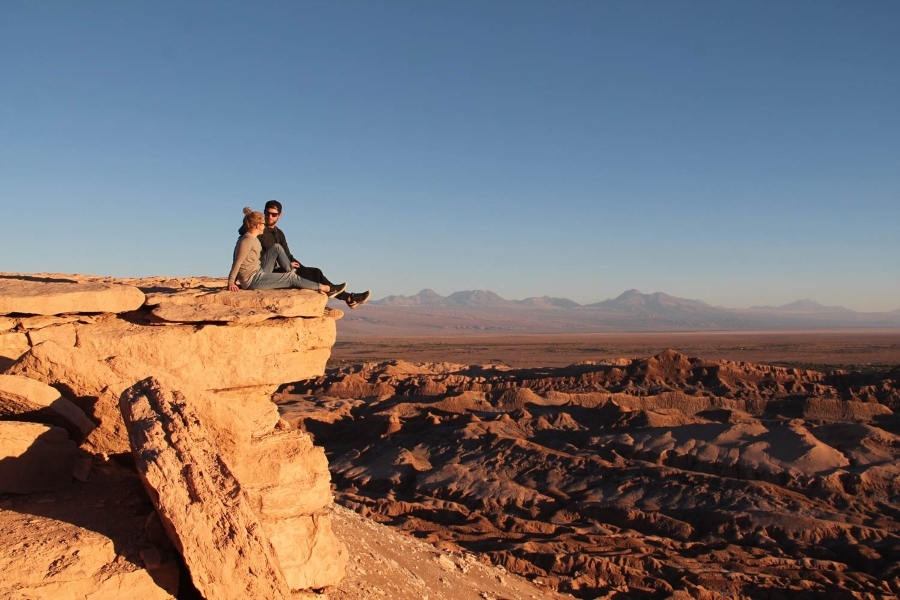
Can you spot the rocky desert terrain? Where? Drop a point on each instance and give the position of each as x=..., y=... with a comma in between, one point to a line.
x=667, y=476
x=141, y=455
x=166, y=438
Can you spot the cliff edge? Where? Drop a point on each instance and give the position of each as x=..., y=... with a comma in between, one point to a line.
x=140, y=454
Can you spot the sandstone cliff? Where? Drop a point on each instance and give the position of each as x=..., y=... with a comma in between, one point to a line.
x=77, y=354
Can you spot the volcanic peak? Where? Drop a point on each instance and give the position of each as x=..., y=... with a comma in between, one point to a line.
x=805, y=305
x=633, y=301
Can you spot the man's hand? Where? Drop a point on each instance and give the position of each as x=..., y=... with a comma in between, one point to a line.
x=295, y=264
x=233, y=288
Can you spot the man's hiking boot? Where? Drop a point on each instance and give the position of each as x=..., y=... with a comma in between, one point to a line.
x=358, y=299
x=336, y=289
x=332, y=313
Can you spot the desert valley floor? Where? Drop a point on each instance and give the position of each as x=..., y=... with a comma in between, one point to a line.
x=675, y=465
x=855, y=348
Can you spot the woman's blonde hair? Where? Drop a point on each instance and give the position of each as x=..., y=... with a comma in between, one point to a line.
x=252, y=218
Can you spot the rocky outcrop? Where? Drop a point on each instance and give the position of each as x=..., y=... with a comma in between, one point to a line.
x=283, y=473
x=275, y=336
x=223, y=354
x=269, y=353
x=20, y=294
x=202, y=505
x=49, y=559
x=23, y=398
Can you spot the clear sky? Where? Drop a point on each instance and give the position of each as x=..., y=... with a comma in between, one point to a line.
x=739, y=153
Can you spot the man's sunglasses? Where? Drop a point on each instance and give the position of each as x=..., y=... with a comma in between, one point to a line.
x=272, y=214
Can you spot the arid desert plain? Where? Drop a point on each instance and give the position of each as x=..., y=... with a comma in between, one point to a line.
x=170, y=439
x=629, y=465
x=841, y=348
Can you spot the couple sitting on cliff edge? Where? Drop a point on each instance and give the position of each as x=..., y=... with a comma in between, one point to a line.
x=262, y=261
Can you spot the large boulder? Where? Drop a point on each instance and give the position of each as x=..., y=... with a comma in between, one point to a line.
x=23, y=398
x=210, y=313
x=87, y=381
x=45, y=296
x=34, y=458
x=284, y=475
x=202, y=506
x=49, y=559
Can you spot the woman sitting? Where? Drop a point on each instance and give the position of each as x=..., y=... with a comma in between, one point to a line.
x=246, y=270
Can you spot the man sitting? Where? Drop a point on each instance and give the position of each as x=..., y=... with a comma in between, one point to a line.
x=273, y=240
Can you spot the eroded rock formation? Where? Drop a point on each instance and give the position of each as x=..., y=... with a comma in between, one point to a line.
x=72, y=358
x=202, y=505
x=661, y=477
x=292, y=342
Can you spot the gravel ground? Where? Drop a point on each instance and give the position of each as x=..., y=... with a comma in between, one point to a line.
x=388, y=564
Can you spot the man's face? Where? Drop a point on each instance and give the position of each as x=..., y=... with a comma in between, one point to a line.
x=272, y=216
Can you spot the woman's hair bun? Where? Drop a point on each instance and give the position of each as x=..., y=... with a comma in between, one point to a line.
x=247, y=210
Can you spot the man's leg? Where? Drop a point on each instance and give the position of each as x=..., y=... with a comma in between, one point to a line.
x=278, y=281
x=267, y=260
x=272, y=256
x=314, y=274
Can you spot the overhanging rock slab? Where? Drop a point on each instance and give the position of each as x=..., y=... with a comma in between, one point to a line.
x=27, y=295
x=217, y=357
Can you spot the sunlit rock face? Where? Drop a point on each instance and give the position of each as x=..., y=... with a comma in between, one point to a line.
x=75, y=348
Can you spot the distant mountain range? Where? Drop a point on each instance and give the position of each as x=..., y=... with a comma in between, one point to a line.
x=485, y=311
x=630, y=301
x=473, y=298
x=805, y=306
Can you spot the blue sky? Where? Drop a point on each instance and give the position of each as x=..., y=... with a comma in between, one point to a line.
x=740, y=153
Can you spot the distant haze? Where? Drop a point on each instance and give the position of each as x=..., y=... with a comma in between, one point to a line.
x=628, y=300
x=483, y=311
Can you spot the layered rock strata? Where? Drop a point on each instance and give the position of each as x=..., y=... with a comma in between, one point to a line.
x=202, y=505
x=23, y=398
x=275, y=336
x=68, y=363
